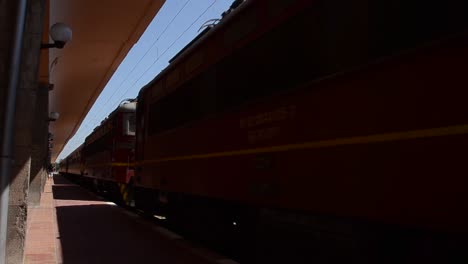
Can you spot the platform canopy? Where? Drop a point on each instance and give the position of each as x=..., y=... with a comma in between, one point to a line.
x=103, y=33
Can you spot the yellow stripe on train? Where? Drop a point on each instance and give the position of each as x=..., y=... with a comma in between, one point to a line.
x=112, y=164
x=384, y=137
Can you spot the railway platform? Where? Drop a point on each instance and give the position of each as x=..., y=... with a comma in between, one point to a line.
x=73, y=225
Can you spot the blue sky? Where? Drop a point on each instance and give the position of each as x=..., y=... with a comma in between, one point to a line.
x=176, y=24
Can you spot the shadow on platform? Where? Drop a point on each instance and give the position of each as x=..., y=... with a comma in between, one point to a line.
x=59, y=179
x=70, y=191
x=104, y=233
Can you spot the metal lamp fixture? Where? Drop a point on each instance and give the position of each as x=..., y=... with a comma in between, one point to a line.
x=60, y=34
x=53, y=116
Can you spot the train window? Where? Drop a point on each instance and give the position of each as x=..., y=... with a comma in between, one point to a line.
x=129, y=124
x=176, y=109
x=101, y=143
x=154, y=117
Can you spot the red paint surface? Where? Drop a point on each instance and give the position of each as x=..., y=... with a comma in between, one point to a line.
x=415, y=182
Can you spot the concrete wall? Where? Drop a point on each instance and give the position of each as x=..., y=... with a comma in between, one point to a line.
x=6, y=26
x=39, y=153
x=25, y=114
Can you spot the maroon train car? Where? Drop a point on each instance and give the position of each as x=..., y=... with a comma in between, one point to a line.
x=108, y=152
x=334, y=130
x=72, y=165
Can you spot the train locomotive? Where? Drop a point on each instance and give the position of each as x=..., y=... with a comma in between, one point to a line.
x=105, y=160
x=313, y=131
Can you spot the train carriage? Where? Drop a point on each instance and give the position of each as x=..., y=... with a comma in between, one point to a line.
x=72, y=165
x=332, y=128
x=108, y=152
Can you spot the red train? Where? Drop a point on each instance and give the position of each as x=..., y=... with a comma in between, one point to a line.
x=105, y=160
x=314, y=131
x=73, y=163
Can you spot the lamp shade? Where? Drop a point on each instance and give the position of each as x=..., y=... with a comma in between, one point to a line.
x=53, y=116
x=60, y=32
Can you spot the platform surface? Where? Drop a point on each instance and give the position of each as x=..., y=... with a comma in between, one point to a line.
x=72, y=225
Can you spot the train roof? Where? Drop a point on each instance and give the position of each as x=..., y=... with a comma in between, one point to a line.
x=226, y=17
x=126, y=106
x=74, y=152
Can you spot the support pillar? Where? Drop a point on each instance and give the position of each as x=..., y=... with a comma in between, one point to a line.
x=39, y=153
x=26, y=97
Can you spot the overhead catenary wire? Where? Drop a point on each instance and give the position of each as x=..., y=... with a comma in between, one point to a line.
x=95, y=120
x=98, y=112
x=170, y=46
